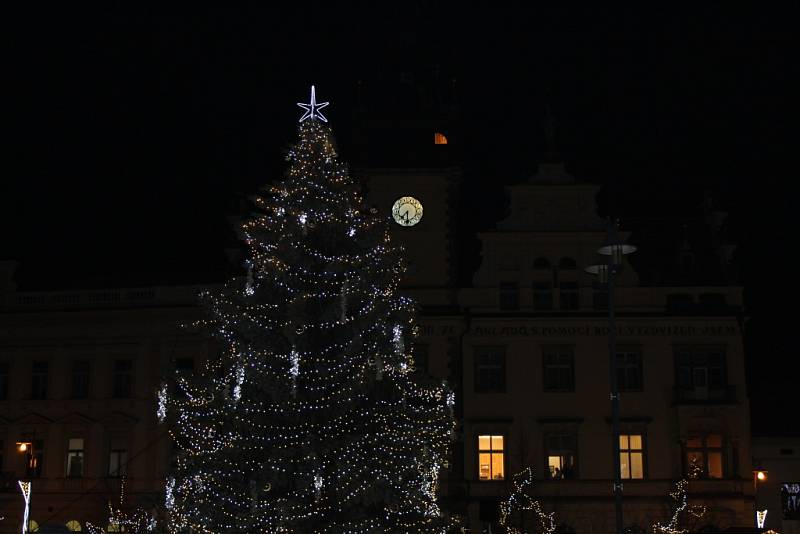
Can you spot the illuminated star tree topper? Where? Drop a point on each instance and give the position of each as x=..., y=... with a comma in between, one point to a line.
x=312, y=108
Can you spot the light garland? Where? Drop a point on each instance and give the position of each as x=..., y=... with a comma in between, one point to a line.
x=519, y=500
x=327, y=430
x=680, y=496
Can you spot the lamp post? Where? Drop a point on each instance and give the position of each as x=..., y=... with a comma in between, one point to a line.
x=614, y=249
x=27, y=447
x=759, y=475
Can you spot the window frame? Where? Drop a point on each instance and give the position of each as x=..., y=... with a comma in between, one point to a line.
x=629, y=451
x=116, y=374
x=75, y=453
x=5, y=379
x=622, y=384
x=693, y=352
x=491, y=451
x=40, y=379
x=558, y=350
x=543, y=290
x=705, y=449
x=486, y=386
x=508, y=296
x=569, y=295
x=560, y=452
x=121, y=463
x=88, y=379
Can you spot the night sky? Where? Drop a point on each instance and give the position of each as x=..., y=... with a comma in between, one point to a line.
x=131, y=130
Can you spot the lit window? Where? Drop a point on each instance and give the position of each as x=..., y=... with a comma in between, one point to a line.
x=75, y=458
x=561, y=454
x=74, y=526
x=490, y=458
x=439, y=139
x=704, y=456
x=115, y=527
x=631, y=456
x=33, y=526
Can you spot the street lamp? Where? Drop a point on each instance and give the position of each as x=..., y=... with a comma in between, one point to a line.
x=606, y=273
x=759, y=475
x=25, y=487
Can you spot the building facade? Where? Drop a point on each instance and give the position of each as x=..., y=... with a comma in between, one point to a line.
x=525, y=348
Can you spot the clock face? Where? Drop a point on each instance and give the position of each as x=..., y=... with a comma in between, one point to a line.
x=407, y=211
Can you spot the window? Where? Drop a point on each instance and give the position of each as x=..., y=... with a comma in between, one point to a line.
x=542, y=296
x=75, y=457
x=1, y=455
x=631, y=456
x=541, y=264
x=117, y=462
x=567, y=264
x=704, y=456
x=560, y=450
x=629, y=370
x=491, y=463
x=74, y=526
x=559, y=369
x=701, y=372
x=4, y=368
x=568, y=294
x=115, y=527
x=509, y=296
x=490, y=370
x=34, y=459
x=39, y=380
x=122, y=378
x=420, y=358
x=439, y=139
x=599, y=296
x=33, y=526
x=80, y=379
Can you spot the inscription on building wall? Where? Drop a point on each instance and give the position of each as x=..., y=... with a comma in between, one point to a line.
x=597, y=330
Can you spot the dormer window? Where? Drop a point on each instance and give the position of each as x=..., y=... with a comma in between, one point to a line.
x=439, y=138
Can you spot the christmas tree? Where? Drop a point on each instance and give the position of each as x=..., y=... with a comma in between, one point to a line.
x=311, y=418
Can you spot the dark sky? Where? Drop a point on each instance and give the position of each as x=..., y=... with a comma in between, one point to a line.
x=131, y=129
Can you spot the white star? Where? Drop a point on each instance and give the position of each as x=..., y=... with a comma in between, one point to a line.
x=312, y=108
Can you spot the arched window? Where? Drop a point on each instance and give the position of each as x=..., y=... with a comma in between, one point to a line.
x=541, y=263
x=439, y=138
x=74, y=526
x=567, y=263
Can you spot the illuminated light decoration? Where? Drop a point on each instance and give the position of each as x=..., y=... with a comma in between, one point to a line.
x=237, y=388
x=761, y=518
x=328, y=305
x=25, y=488
x=312, y=108
x=519, y=501
x=161, y=410
x=169, y=494
x=137, y=521
x=249, y=288
x=680, y=497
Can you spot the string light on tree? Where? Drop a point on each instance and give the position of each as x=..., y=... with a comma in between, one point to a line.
x=328, y=432
x=519, y=501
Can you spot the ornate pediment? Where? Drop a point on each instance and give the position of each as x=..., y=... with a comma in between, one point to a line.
x=75, y=418
x=33, y=419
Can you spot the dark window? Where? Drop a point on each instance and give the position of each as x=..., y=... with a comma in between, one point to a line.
x=704, y=457
x=80, y=379
x=599, y=296
x=712, y=300
x=629, y=370
x=34, y=459
x=117, y=462
x=490, y=370
x=559, y=369
x=75, y=457
x=679, y=302
x=509, y=296
x=420, y=358
x=542, y=296
x=122, y=378
x=2, y=449
x=561, y=456
x=39, y=380
x=4, y=368
x=701, y=370
x=568, y=295
x=541, y=264
x=567, y=264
